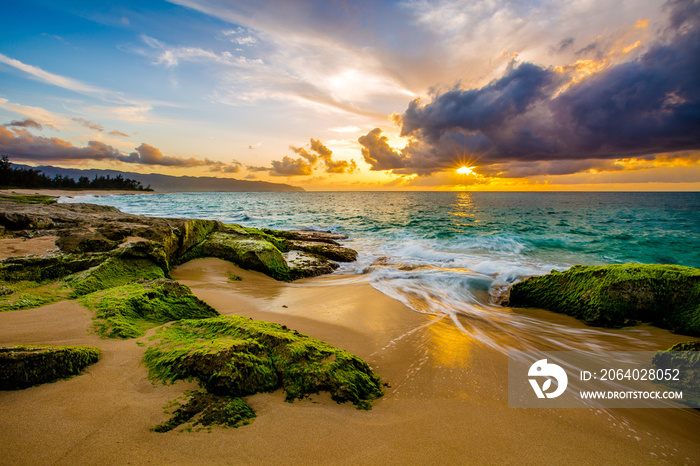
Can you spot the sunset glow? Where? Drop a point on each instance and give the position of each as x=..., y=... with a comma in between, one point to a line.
x=318, y=97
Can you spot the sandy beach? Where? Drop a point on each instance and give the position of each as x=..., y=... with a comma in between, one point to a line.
x=446, y=404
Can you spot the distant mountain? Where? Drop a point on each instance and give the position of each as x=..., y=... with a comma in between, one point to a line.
x=171, y=183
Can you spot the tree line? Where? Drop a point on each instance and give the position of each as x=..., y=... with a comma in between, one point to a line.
x=32, y=178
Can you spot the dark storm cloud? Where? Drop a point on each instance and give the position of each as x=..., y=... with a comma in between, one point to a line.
x=637, y=108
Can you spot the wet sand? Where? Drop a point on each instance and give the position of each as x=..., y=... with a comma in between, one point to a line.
x=447, y=402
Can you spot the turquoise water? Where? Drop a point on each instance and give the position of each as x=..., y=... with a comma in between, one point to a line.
x=456, y=253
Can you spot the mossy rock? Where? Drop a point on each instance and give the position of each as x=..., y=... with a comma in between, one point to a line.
x=26, y=366
x=28, y=294
x=49, y=267
x=205, y=409
x=113, y=272
x=251, y=254
x=685, y=357
x=236, y=356
x=128, y=311
x=667, y=296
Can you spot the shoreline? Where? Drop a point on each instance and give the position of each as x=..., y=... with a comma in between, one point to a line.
x=72, y=193
x=446, y=402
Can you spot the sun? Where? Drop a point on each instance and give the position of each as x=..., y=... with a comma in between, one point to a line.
x=464, y=170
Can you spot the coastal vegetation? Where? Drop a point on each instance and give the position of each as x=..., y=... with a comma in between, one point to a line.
x=16, y=177
x=24, y=366
x=667, y=296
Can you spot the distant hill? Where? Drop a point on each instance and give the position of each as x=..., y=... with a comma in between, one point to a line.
x=172, y=183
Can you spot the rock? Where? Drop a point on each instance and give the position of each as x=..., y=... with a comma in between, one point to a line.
x=252, y=254
x=303, y=264
x=330, y=251
x=205, y=409
x=308, y=235
x=235, y=356
x=25, y=366
x=126, y=311
x=685, y=358
x=667, y=296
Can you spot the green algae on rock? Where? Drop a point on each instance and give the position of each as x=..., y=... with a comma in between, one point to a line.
x=236, y=356
x=247, y=252
x=685, y=358
x=26, y=366
x=667, y=296
x=205, y=409
x=30, y=198
x=127, y=311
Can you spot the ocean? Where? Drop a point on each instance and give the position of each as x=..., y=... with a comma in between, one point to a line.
x=455, y=254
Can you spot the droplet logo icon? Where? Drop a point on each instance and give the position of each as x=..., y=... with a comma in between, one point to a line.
x=551, y=372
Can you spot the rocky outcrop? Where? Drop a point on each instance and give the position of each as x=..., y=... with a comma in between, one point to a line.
x=25, y=366
x=100, y=247
x=236, y=356
x=667, y=296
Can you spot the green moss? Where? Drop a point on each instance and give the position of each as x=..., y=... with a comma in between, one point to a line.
x=667, y=296
x=128, y=311
x=232, y=277
x=205, y=409
x=252, y=254
x=270, y=236
x=25, y=366
x=236, y=356
x=50, y=267
x=685, y=357
x=115, y=271
x=28, y=295
x=29, y=198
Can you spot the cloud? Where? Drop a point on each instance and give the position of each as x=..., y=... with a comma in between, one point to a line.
x=26, y=123
x=291, y=167
x=89, y=124
x=317, y=154
x=118, y=133
x=635, y=108
x=234, y=167
x=332, y=166
x=377, y=152
x=18, y=143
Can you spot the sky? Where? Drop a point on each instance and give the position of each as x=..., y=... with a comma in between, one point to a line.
x=360, y=95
